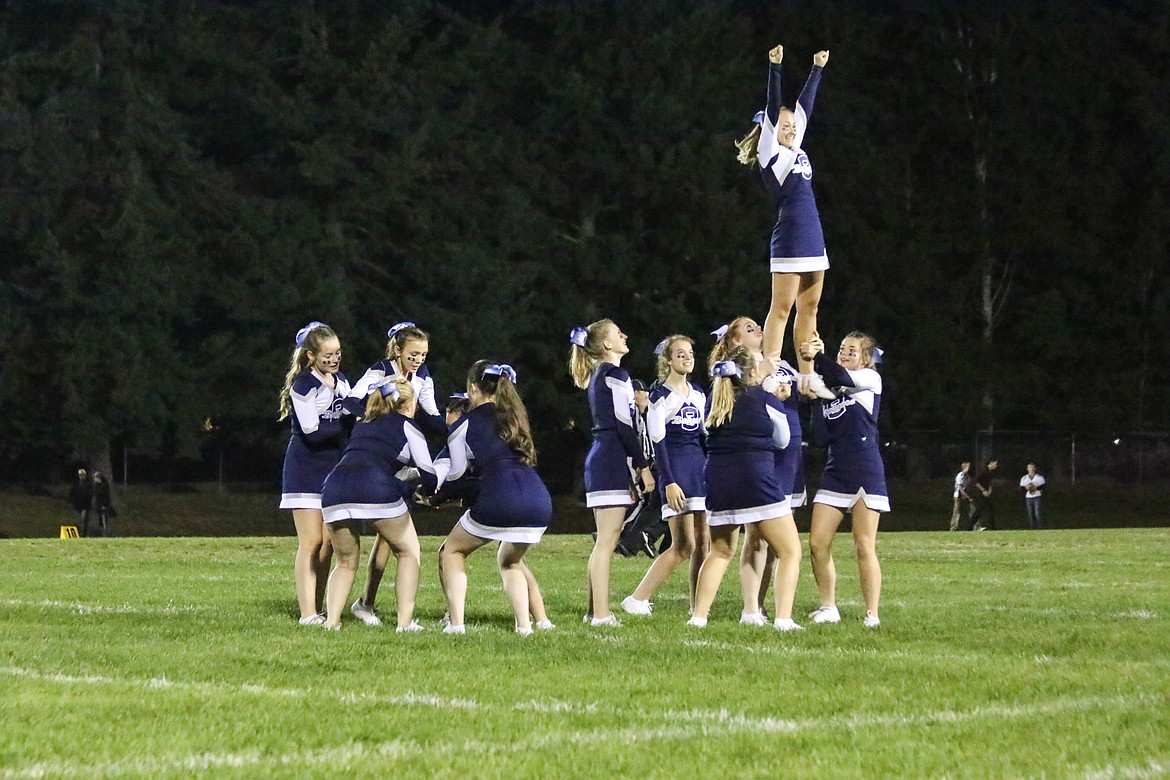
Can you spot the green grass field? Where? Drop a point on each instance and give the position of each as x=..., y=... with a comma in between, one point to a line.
x=1001, y=654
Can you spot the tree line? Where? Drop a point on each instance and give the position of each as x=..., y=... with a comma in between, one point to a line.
x=184, y=184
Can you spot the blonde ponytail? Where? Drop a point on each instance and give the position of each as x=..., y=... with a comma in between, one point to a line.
x=583, y=358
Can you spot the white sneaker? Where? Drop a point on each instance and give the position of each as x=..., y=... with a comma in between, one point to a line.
x=451, y=628
x=365, y=614
x=753, y=619
x=544, y=625
x=697, y=622
x=609, y=620
x=313, y=620
x=410, y=628
x=787, y=624
x=524, y=631
x=825, y=615
x=871, y=620
x=636, y=607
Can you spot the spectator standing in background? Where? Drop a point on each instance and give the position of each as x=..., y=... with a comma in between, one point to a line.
x=979, y=491
x=103, y=505
x=81, y=497
x=1032, y=484
x=962, y=502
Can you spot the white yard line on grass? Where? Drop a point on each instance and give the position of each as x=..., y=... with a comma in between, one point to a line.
x=689, y=725
x=1150, y=769
x=100, y=609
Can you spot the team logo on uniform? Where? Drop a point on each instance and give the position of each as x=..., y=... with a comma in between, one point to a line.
x=802, y=166
x=688, y=418
x=836, y=408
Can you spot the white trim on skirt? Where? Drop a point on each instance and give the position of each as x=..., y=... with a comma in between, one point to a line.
x=797, y=500
x=520, y=534
x=339, y=513
x=603, y=498
x=846, y=501
x=749, y=515
x=696, y=504
x=300, y=500
x=799, y=265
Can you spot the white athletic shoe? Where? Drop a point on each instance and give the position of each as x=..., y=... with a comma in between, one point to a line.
x=524, y=631
x=871, y=620
x=636, y=607
x=609, y=620
x=697, y=622
x=313, y=620
x=451, y=628
x=544, y=625
x=365, y=614
x=825, y=615
x=410, y=628
x=787, y=624
x=753, y=619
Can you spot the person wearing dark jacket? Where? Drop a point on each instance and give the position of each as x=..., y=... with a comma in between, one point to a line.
x=103, y=506
x=81, y=498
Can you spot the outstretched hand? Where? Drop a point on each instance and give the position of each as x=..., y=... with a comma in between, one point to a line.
x=810, y=348
x=821, y=58
x=776, y=55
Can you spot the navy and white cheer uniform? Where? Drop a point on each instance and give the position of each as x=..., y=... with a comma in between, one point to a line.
x=616, y=451
x=362, y=486
x=318, y=438
x=742, y=486
x=676, y=430
x=798, y=243
x=426, y=413
x=853, y=470
x=511, y=503
x=790, y=460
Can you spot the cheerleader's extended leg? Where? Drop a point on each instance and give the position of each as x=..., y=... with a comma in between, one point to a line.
x=346, y=541
x=825, y=520
x=785, y=288
x=379, y=558
x=402, y=540
x=609, y=528
x=306, y=568
x=782, y=539
x=682, y=547
x=808, y=302
x=702, y=550
x=453, y=558
x=512, y=573
x=865, y=526
x=723, y=542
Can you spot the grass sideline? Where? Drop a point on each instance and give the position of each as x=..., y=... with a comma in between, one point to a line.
x=200, y=509
x=1000, y=655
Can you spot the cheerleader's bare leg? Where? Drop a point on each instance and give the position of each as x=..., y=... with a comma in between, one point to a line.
x=752, y=562
x=310, y=527
x=515, y=582
x=379, y=558
x=825, y=520
x=402, y=540
x=781, y=536
x=808, y=302
x=609, y=528
x=865, y=526
x=535, y=597
x=785, y=288
x=453, y=558
x=723, y=543
x=346, y=541
x=682, y=546
x=702, y=550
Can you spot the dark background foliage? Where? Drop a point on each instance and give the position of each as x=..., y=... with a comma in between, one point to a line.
x=184, y=184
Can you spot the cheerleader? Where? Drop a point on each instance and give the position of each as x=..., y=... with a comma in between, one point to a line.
x=799, y=258
x=616, y=458
x=675, y=422
x=745, y=424
x=757, y=563
x=313, y=396
x=407, y=346
x=854, y=479
x=511, y=506
x=740, y=332
x=362, y=488
x=458, y=406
